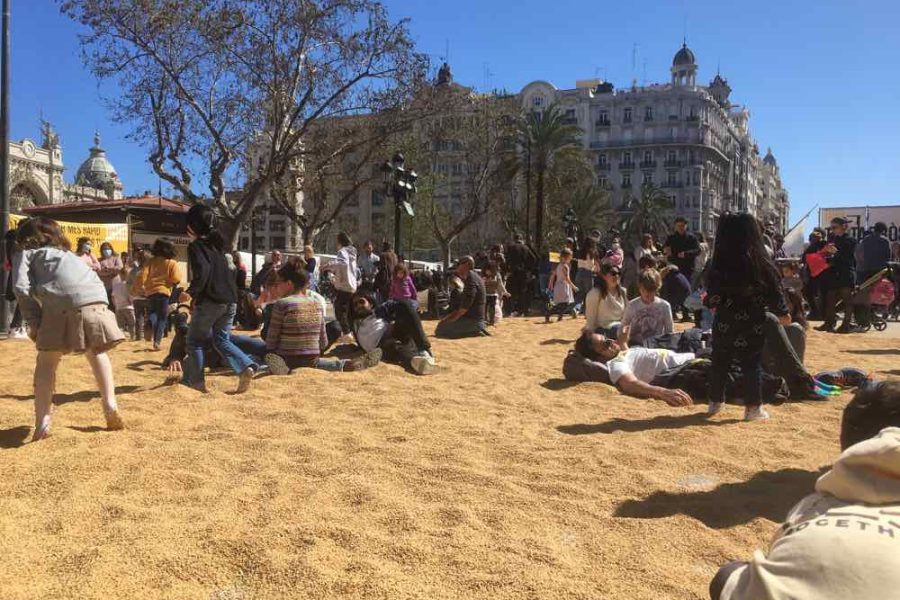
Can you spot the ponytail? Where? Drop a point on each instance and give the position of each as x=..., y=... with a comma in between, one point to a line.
x=202, y=220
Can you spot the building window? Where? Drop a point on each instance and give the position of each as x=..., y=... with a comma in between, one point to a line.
x=457, y=169
x=603, y=182
x=245, y=243
x=696, y=177
x=696, y=201
x=672, y=178
x=626, y=180
x=648, y=178
x=672, y=200
x=648, y=113
x=276, y=226
x=627, y=116
x=377, y=198
x=670, y=156
x=378, y=223
x=603, y=160
x=626, y=157
x=537, y=102
x=695, y=224
x=603, y=118
x=648, y=156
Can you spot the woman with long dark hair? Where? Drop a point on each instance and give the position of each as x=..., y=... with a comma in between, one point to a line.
x=213, y=293
x=742, y=285
x=605, y=303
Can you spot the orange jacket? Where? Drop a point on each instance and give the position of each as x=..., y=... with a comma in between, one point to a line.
x=157, y=276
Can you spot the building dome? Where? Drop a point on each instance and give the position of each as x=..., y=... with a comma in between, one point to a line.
x=97, y=172
x=769, y=159
x=684, y=56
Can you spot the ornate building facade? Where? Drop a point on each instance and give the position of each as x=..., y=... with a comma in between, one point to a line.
x=688, y=139
x=36, y=174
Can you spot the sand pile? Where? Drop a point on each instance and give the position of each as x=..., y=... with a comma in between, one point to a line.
x=493, y=479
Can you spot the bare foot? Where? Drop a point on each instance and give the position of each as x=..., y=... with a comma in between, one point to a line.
x=114, y=421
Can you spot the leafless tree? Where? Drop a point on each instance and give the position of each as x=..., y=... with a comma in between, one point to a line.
x=204, y=82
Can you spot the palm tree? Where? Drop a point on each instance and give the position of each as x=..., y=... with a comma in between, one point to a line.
x=646, y=213
x=543, y=139
x=591, y=204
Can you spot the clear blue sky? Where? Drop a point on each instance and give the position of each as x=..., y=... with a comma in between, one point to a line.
x=820, y=78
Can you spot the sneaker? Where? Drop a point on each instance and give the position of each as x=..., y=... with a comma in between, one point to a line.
x=114, y=421
x=714, y=408
x=423, y=364
x=276, y=365
x=825, y=327
x=246, y=377
x=18, y=334
x=755, y=413
x=366, y=361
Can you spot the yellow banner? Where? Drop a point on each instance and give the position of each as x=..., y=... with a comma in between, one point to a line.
x=114, y=233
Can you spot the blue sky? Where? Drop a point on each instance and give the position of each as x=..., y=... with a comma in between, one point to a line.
x=820, y=78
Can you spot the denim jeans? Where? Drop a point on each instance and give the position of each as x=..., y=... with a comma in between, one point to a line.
x=158, y=307
x=253, y=347
x=209, y=319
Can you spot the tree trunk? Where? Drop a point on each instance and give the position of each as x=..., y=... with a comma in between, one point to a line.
x=539, y=213
x=445, y=254
x=230, y=230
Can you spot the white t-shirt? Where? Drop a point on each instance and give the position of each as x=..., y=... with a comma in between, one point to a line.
x=648, y=320
x=645, y=363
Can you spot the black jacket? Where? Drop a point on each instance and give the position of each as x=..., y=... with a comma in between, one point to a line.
x=211, y=279
x=843, y=262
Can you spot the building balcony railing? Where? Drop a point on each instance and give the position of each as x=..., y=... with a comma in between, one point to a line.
x=626, y=165
x=648, y=164
x=570, y=121
x=672, y=163
x=626, y=186
x=603, y=166
x=659, y=140
x=668, y=184
x=648, y=118
x=602, y=124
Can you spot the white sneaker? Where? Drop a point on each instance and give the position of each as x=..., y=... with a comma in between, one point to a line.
x=757, y=413
x=244, y=380
x=18, y=334
x=714, y=408
x=422, y=365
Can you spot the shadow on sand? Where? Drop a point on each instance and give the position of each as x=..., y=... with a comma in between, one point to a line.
x=638, y=425
x=83, y=396
x=14, y=436
x=768, y=494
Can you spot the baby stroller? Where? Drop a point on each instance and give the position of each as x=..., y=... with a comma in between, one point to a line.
x=879, y=291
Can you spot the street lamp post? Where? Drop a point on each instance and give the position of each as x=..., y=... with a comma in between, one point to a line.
x=399, y=184
x=4, y=160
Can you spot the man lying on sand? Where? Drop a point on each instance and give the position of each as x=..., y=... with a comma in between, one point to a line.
x=395, y=328
x=840, y=542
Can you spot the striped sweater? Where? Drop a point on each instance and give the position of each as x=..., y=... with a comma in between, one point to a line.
x=297, y=327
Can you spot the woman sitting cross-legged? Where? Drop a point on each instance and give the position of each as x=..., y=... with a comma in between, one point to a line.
x=296, y=334
x=605, y=303
x=395, y=328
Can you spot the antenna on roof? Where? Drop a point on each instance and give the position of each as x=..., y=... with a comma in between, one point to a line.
x=447, y=50
x=634, y=48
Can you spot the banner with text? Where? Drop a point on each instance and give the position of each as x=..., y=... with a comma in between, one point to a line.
x=863, y=218
x=114, y=233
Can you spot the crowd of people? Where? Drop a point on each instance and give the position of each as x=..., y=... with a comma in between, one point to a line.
x=744, y=298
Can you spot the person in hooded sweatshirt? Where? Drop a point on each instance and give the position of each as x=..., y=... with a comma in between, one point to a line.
x=843, y=541
x=344, y=267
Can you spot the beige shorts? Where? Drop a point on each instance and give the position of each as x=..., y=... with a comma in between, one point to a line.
x=92, y=327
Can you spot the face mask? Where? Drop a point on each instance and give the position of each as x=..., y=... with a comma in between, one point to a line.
x=107, y=253
x=86, y=248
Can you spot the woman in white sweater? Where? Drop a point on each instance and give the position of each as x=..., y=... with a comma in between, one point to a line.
x=605, y=303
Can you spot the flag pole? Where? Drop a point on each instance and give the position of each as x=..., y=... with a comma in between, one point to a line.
x=801, y=220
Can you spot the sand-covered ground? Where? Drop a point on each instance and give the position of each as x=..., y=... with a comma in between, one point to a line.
x=494, y=479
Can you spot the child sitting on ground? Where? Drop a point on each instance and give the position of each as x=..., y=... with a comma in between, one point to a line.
x=64, y=304
x=648, y=315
